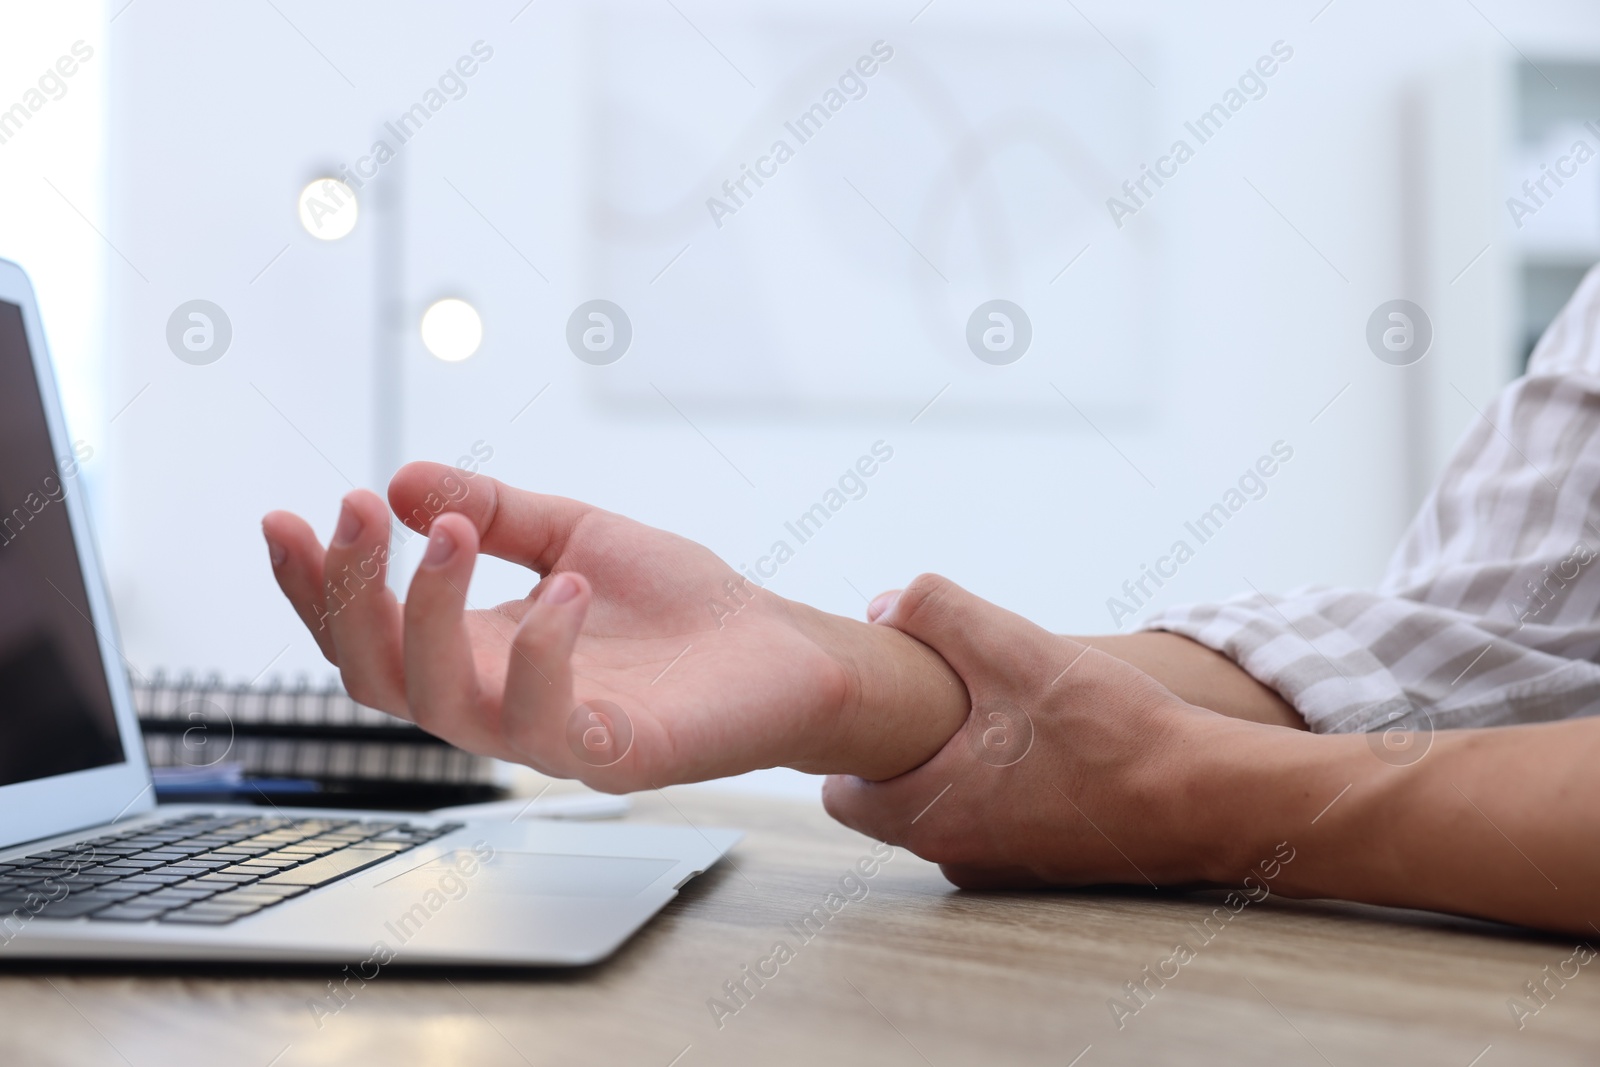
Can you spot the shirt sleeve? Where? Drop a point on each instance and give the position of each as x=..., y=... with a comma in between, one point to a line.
x=1489, y=612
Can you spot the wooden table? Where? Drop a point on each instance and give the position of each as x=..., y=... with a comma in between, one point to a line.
x=913, y=973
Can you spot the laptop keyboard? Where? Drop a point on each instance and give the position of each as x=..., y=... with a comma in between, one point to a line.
x=200, y=869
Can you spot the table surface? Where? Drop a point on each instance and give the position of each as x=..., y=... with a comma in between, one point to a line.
x=913, y=973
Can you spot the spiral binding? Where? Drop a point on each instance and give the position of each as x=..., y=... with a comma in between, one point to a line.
x=292, y=730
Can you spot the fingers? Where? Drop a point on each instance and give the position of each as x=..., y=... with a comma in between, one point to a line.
x=358, y=607
x=973, y=635
x=985, y=876
x=530, y=529
x=880, y=604
x=882, y=810
x=442, y=688
x=846, y=800
x=538, y=697
x=937, y=612
x=928, y=811
x=297, y=561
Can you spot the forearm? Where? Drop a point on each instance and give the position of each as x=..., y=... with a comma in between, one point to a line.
x=1498, y=823
x=1200, y=676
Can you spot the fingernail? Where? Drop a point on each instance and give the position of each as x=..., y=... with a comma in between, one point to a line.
x=563, y=587
x=349, y=527
x=275, y=551
x=441, y=546
x=881, y=603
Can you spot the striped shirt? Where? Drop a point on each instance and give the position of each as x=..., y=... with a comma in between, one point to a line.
x=1489, y=612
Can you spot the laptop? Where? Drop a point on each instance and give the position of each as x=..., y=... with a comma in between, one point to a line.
x=92, y=868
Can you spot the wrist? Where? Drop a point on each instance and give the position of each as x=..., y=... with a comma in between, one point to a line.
x=1257, y=792
x=1199, y=675
x=898, y=704
x=1241, y=790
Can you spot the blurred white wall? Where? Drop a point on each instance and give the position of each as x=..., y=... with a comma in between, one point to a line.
x=771, y=352
x=52, y=183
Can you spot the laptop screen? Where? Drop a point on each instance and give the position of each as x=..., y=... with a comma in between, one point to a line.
x=55, y=706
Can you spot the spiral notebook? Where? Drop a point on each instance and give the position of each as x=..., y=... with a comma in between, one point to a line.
x=297, y=743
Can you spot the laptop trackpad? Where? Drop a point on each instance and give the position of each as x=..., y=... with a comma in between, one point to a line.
x=537, y=874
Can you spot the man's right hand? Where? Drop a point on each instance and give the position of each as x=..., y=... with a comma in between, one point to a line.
x=1070, y=770
x=616, y=668
x=1077, y=768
